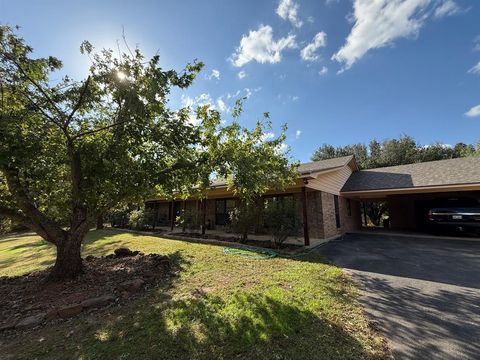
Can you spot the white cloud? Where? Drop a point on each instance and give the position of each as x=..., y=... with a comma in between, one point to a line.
x=249, y=92
x=295, y=98
x=379, y=23
x=308, y=53
x=260, y=46
x=192, y=103
x=447, y=8
x=267, y=136
x=475, y=69
x=330, y=2
x=288, y=10
x=241, y=74
x=215, y=74
x=311, y=19
x=476, y=43
x=222, y=107
x=282, y=148
x=204, y=99
x=235, y=94
x=473, y=112
x=445, y=146
x=297, y=134
x=323, y=71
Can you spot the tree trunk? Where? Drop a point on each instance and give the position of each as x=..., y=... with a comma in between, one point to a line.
x=99, y=222
x=68, y=264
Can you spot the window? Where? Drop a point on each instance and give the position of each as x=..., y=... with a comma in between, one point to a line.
x=282, y=197
x=337, y=210
x=222, y=211
x=349, y=208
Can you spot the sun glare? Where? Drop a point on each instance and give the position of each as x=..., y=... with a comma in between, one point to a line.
x=121, y=75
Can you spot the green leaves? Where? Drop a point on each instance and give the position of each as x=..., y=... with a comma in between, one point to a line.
x=251, y=161
x=117, y=121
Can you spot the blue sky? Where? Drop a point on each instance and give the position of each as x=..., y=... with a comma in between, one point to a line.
x=337, y=71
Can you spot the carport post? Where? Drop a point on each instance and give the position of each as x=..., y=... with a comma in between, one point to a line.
x=204, y=214
x=306, y=236
x=365, y=214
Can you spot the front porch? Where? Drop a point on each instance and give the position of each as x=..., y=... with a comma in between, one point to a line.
x=228, y=237
x=211, y=217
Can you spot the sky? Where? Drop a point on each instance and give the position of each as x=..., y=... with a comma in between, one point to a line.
x=336, y=71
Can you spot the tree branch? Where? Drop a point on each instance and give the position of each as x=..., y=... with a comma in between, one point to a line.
x=93, y=131
x=34, y=83
x=79, y=102
x=36, y=220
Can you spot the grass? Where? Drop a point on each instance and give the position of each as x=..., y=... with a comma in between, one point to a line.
x=221, y=306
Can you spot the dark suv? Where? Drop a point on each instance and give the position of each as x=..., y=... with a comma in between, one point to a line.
x=455, y=215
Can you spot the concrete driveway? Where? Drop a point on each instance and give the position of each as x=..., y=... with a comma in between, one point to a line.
x=423, y=294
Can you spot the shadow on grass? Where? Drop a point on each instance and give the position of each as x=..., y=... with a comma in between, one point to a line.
x=15, y=236
x=41, y=244
x=242, y=326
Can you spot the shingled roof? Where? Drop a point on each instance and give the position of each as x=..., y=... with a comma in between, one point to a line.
x=322, y=165
x=307, y=168
x=432, y=173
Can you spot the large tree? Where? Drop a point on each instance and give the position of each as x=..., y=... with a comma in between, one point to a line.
x=71, y=150
x=392, y=152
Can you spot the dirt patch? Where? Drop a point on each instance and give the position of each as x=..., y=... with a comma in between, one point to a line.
x=28, y=301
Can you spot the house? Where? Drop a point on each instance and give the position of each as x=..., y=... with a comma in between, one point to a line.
x=329, y=195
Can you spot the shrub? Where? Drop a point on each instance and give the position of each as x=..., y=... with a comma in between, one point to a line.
x=188, y=220
x=243, y=219
x=119, y=217
x=136, y=219
x=281, y=220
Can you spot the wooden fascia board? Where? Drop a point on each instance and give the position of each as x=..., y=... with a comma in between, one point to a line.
x=380, y=193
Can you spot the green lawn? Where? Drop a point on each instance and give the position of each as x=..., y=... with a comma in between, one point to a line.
x=220, y=307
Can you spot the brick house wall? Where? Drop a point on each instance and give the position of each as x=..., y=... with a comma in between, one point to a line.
x=349, y=220
x=329, y=223
x=314, y=214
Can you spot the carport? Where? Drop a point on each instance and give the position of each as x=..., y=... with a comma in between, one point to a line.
x=410, y=190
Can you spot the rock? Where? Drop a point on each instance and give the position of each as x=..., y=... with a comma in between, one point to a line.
x=124, y=252
x=98, y=301
x=131, y=285
x=31, y=321
x=70, y=311
x=89, y=258
x=51, y=314
x=7, y=326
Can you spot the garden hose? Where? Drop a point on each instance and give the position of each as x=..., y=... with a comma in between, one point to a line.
x=253, y=254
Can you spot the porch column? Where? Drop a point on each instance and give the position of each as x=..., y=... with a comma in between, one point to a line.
x=364, y=214
x=183, y=216
x=306, y=236
x=204, y=214
x=155, y=215
x=172, y=213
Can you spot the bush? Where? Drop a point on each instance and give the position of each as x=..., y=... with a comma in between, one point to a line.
x=119, y=217
x=140, y=219
x=136, y=219
x=281, y=220
x=188, y=220
x=243, y=219
x=8, y=226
